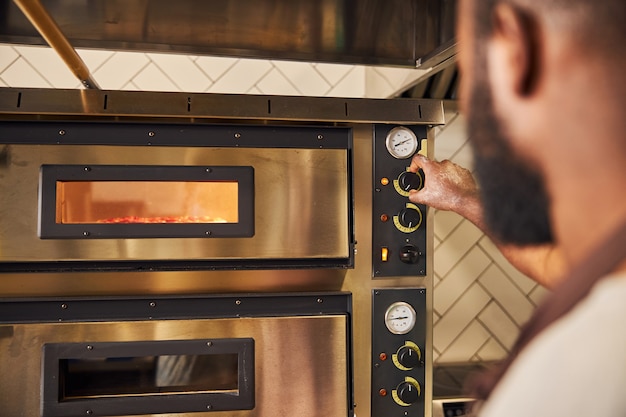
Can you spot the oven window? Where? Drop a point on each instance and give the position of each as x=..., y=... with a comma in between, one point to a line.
x=147, y=375
x=143, y=201
x=88, y=202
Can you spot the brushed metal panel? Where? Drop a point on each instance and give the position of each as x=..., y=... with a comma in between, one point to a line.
x=65, y=284
x=386, y=32
x=46, y=103
x=360, y=283
x=301, y=364
x=301, y=204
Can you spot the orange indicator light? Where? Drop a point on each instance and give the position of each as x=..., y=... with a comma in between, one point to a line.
x=384, y=180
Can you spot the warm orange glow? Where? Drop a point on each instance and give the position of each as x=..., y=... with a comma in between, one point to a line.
x=89, y=202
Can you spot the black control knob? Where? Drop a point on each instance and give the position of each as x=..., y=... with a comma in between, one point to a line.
x=408, y=392
x=410, y=181
x=408, y=357
x=409, y=254
x=410, y=217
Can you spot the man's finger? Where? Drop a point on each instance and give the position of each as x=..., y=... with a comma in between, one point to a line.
x=418, y=163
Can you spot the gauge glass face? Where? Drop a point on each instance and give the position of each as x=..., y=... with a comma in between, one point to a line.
x=400, y=318
x=401, y=142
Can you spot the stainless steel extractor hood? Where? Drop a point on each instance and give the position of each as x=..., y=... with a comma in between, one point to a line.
x=406, y=33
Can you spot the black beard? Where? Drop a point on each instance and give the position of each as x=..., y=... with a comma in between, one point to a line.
x=515, y=202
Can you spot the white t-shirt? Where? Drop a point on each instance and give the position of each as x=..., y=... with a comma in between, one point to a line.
x=576, y=367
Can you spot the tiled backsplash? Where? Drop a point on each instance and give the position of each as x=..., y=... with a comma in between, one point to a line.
x=480, y=301
x=31, y=66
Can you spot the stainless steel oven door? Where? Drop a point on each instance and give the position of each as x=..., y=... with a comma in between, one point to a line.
x=255, y=365
x=290, y=202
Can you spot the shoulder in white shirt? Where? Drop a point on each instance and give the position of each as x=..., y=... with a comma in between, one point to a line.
x=576, y=367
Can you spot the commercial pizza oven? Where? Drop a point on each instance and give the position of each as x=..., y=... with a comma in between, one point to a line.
x=213, y=255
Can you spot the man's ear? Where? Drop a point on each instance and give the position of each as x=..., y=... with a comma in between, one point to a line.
x=513, y=50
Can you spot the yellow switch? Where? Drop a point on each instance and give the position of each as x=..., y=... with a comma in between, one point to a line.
x=424, y=148
x=384, y=254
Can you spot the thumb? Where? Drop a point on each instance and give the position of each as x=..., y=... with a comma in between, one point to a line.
x=417, y=197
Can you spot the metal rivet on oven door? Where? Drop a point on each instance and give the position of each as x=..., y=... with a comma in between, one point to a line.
x=320, y=137
x=151, y=134
x=209, y=407
x=85, y=233
x=209, y=344
x=64, y=306
x=89, y=347
x=89, y=412
x=152, y=304
x=237, y=135
x=238, y=302
x=62, y=132
x=320, y=301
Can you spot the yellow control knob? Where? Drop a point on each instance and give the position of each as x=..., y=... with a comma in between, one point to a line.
x=408, y=181
x=409, y=219
x=407, y=357
x=407, y=392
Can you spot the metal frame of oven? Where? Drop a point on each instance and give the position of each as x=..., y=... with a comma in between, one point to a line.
x=58, y=289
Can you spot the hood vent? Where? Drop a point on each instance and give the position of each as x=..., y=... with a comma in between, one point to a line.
x=368, y=32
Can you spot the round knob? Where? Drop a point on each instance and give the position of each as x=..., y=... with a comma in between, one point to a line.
x=410, y=181
x=409, y=217
x=407, y=392
x=409, y=254
x=408, y=357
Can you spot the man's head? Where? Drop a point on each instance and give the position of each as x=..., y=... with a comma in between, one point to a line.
x=506, y=89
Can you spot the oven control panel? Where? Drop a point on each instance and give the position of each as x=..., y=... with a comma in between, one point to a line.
x=398, y=226
x=398, y=349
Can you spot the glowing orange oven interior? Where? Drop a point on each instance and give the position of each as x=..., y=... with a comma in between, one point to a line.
x=88, y=202
x=145, y=201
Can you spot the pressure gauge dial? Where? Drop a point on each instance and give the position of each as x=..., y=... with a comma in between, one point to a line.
x=401, y=142
x=400, y=318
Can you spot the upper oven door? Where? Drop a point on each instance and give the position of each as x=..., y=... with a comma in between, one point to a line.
x=86, y=195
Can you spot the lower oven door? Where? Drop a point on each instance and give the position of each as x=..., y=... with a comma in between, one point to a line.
x=240, y=366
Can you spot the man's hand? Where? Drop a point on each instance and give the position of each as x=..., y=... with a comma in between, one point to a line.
x=447, y=186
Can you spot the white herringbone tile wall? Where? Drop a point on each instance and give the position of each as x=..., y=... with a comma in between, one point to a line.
x=480, y=301
x=40, y=67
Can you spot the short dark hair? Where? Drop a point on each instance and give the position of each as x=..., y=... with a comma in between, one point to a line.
x=598, y=25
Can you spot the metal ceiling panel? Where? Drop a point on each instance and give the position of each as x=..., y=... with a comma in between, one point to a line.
x=369, y=32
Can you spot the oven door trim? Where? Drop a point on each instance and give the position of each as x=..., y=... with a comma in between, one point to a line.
x=175, y=402
x=50, y=175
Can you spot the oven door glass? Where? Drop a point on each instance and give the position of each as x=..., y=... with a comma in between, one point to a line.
x=154, y=376
x=146, y=201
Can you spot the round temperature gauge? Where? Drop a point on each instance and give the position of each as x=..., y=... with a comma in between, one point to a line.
x=401, y=142
x=400, y=318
